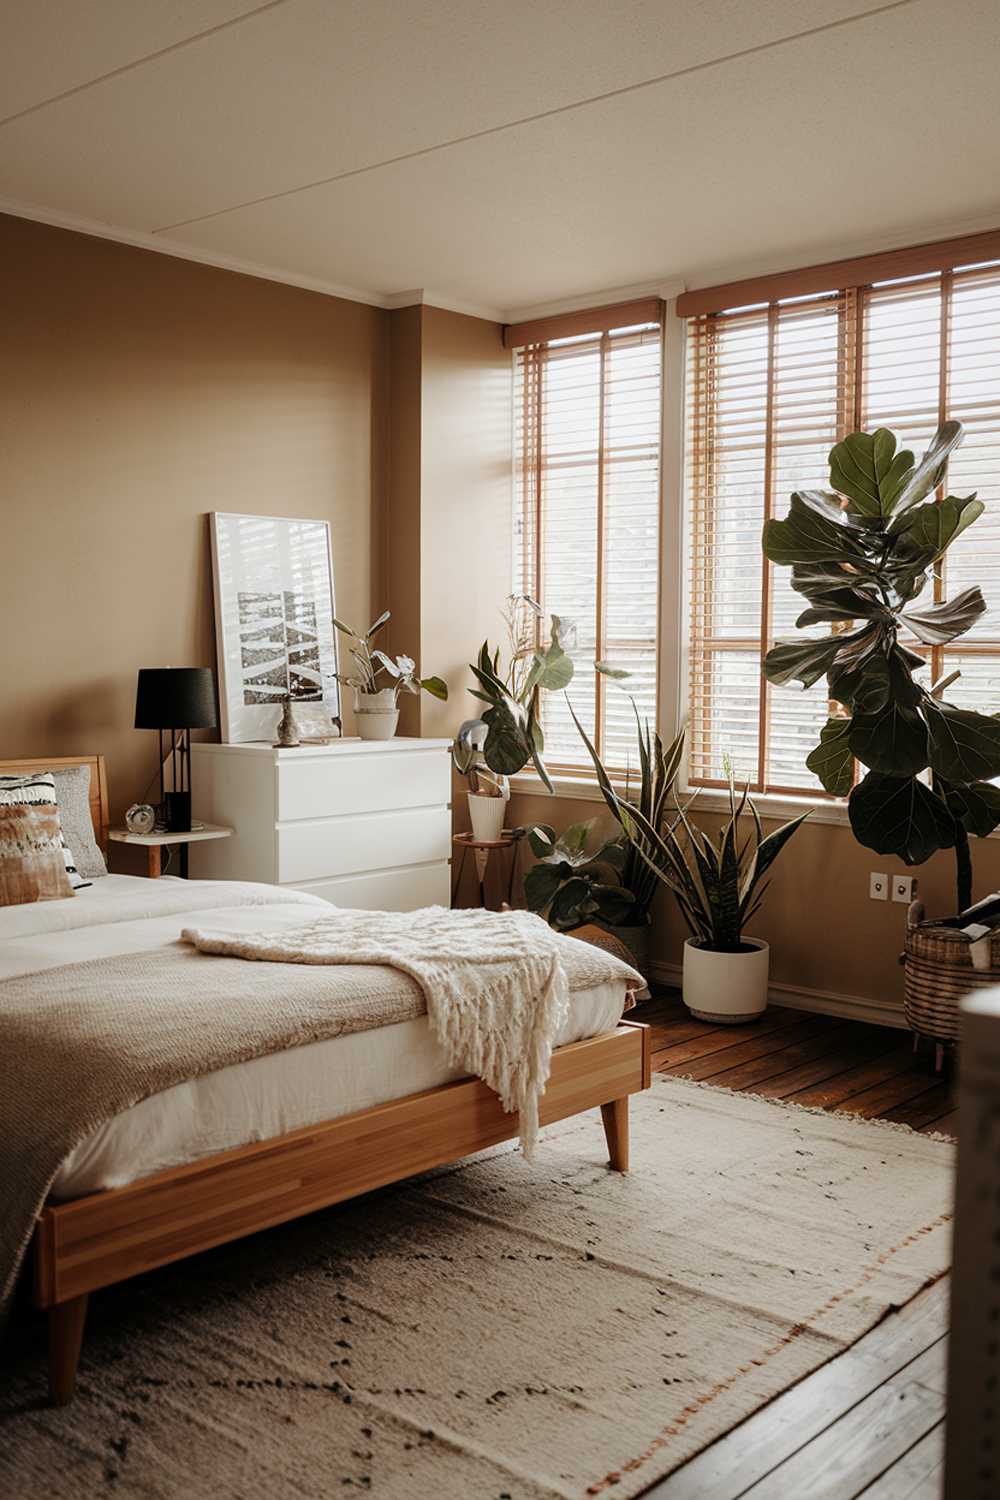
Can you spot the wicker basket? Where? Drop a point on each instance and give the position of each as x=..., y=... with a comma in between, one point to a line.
x=599, y=937
x=938, y=974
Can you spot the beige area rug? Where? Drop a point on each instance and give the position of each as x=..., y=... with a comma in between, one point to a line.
x=496, y=1329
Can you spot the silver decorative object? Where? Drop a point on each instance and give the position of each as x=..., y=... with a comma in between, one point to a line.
x=140, y=818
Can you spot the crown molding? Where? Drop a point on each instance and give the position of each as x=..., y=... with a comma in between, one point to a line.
x=666, y=288
x=902, y=239
x=145, y=240
x=421, y=298
x=763, y=265
x=142, y=240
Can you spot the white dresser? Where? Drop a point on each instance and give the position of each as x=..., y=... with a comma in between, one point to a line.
x=362, y=823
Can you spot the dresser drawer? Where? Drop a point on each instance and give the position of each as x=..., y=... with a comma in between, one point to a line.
x=387, y=890
x=328, y=788
x=371, y=841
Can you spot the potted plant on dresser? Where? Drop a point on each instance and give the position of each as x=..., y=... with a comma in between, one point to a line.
x=862, y=553
x=378, y=679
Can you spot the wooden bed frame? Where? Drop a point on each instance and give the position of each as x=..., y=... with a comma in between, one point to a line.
x=107, y=1237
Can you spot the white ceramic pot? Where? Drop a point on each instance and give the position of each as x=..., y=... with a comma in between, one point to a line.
x=487, y=814
x=376, y=714
x=726, y=987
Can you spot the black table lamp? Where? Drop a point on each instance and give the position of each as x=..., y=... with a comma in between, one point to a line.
x=177, y=699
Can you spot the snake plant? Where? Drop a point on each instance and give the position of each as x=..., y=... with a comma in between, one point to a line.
x=717, y=886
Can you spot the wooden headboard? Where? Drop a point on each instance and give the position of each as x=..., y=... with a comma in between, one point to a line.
x=99, y=810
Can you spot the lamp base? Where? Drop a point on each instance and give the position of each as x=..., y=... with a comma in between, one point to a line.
x=177, y=812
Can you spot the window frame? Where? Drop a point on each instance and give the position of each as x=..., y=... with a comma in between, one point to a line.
x=941, y=264
x=601, y=325
x=675, y=530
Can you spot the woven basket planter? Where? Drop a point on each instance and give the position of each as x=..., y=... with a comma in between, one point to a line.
x=601, y=937
x=938, y=974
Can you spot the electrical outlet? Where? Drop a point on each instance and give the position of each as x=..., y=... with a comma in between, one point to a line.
x=904, y=888
x=878, y=887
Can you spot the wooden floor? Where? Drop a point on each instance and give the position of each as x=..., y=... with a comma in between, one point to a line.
x=813, y=1060
x=871, y=1422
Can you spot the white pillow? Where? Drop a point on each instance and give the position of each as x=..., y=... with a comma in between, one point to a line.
x=73, y=800
x=27, y=791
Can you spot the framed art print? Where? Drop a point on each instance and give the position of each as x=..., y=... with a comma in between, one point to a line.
x=274, y=631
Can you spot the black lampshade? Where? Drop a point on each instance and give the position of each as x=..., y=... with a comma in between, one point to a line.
x=175, y=698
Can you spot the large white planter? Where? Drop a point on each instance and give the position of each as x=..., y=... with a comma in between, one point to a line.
x=726, y=987
x=376, y=714
x=487, y=814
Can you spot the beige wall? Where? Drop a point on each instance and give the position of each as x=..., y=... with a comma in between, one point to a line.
x=465, y=536
x=401, y=542
x=447, y=543
x=140, y=392
x=137, y=393
x=448, y=511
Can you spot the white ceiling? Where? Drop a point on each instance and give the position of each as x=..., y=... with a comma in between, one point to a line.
x=502, y=154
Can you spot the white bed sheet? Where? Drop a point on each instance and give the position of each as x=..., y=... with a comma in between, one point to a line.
x=251, y=1101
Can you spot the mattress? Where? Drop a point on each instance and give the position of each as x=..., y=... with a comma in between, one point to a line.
x=252, y=1101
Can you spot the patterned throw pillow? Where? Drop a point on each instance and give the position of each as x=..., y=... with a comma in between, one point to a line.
x=32, y=866
x=35, y=791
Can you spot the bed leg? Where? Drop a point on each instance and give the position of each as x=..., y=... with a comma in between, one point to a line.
x=615, y=1117
x=66, y=1321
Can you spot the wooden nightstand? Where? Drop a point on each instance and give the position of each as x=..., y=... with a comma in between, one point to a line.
x=153, y=843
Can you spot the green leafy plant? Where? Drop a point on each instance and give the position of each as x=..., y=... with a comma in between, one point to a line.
x=512, y=692
x=861, y=554
x=571, y=885
x=616, y=885
x=717, y=886
x=658, y=766
x=374, y=670
x=467, y=756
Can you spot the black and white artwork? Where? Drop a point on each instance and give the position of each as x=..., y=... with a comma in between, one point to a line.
x=279, y=647
x=274, y=609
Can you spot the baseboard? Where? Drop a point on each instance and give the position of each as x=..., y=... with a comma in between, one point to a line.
x=800, y=997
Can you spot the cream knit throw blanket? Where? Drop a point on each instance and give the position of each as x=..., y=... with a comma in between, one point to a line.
x=494, y=984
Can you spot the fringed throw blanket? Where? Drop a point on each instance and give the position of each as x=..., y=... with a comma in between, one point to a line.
x=84, y=1042
x=494, y=983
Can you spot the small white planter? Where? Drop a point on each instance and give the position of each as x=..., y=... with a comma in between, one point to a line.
x=487, y=814
x=376, y=714
x=726, y=987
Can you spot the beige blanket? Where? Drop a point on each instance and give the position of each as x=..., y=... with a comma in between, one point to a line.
x=83, y=1043
x=494, y=984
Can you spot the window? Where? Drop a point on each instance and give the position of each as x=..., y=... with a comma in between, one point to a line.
x=772, y=387
x=586, y=518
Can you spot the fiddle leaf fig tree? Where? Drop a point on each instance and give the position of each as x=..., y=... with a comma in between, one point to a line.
x=864, y=555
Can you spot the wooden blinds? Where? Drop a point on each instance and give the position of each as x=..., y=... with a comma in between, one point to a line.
x=586, y=520
x=771, y=388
